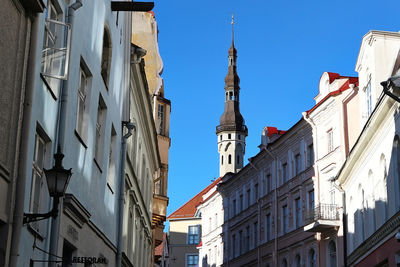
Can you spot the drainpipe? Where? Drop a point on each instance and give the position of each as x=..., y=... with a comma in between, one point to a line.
x=24, y=145
x=276, y=206
x=55, y=222
x=130, y=126
x=258, y=216
x=344, y=222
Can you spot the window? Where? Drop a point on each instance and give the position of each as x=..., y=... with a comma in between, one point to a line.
x=194, y=234
x=106, y=57
x=229, y=159
x=240, y=202
x=284, y=263
x=240, y=242
x=192, y=260
x=297, y=261
x=311, y=200
x=237, y=159
x=268, y=226
x=255, y=235
x=284, y=219
x=255, y=192
x=161, y=115
x=39, y=158
x=111, y=159
x=209, y=225
x=100, y=125
x=297, y=163
x=268, y=183
x=247, y=245
x=83, y=102
x=69, y=251
x=298, y=212
x=330, y=140
x=310, y=155
x=368, y=98
x=216, y=220
x=248, y=197
x=222, y=159
x=332, y=254
x=229, y=136
x=55, y=53
x=220, y=137
x=233, y=245
x=240, y=137
x=311, y=258
x=234, y=207
x=284, y=172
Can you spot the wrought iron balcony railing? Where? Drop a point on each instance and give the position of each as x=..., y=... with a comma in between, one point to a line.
x=327, y=212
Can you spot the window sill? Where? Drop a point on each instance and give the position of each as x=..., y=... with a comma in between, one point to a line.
x=98, y=165
x=80, y=139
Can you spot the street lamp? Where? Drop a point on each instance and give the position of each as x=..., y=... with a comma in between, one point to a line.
x=392, y=85
x=57, y=181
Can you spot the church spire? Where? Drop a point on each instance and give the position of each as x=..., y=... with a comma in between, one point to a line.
x=231, y=131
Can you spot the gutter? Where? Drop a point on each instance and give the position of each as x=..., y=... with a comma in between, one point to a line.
x=130, y=126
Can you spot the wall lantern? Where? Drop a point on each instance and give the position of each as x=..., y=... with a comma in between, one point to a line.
x=57, y=181
x=392, y=86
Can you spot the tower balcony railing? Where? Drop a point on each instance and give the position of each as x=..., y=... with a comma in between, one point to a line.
x=322, y=217
x=221, y=128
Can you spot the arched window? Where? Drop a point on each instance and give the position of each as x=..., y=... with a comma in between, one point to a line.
x=311, y=258
x=297, y=261
x=229, y=159
x=106, y=56
x=332, y=254
x=284, y=263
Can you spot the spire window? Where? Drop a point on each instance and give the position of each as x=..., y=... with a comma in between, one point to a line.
x=229, y=159
x=230, y=95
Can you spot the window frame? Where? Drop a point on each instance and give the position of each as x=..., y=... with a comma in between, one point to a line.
x=196, y=236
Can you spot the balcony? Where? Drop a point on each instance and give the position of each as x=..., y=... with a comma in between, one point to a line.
x=160, y=204
x=323, y=218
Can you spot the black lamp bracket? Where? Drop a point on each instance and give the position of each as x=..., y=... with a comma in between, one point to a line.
x=34, y=217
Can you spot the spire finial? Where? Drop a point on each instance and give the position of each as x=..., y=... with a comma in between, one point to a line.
x=232, y=22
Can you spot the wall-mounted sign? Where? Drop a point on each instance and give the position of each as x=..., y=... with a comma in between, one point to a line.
x=99, y=260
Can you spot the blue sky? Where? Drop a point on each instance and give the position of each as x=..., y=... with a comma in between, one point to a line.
x=283, y=49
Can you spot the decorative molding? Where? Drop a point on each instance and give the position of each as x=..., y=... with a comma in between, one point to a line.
x=75, y=210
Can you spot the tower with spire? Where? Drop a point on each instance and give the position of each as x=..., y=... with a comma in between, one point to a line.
x=231, y=131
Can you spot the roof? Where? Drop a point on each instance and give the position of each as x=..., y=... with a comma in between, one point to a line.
x=273, y=130
x=344, y=87
x=159, y=249
x=188, y=210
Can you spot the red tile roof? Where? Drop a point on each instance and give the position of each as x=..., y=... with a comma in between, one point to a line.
x=274, y=130
x=344, y=87
x=159, y=249
x=188, y=210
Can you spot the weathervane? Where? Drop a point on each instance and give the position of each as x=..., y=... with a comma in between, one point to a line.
x=232, y=22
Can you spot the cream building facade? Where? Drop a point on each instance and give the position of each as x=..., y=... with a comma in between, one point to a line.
x=370, y=174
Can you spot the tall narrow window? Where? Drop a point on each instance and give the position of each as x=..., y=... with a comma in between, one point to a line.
x=248, y=197
x=229, y=136
x=256, y=192
x=247, y=245
x=268, y=183
x=240, y=242
x=368, y=98
x=330, y=140
x=284, y=219
x=255, y=235
x=222, y=159
x=234, y=207
x=100, y=125
x=332, y=254
x=310, y=155
x=311, y=204
x=39, y=157
x=83, y=102
x=233, y=246
x=111, y=159
x=237, y=159
x=297, y=204
x=161, y=116
x=268, y=226
x=284, y=172
x=240, y=202
x=297, y=261
x=297, y=163
x=312, y=259
x=106, y=57
x=229, y=159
